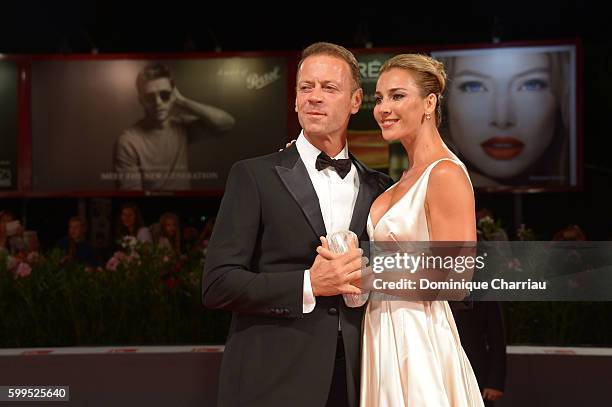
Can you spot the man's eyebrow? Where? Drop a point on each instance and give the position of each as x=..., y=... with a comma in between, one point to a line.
x=330, y=81
x=323, y=82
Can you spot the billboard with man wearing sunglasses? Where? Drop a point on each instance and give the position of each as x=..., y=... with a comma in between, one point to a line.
x=116, y=125
x=153, y=153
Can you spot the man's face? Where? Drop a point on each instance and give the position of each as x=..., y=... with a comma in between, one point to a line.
x=170, y=227
x=75, y=230
x=157, y=98
x=325, y=96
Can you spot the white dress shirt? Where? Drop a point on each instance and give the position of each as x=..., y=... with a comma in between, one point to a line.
x=337, y=199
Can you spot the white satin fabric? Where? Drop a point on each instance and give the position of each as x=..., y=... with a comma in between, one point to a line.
x=412, y=355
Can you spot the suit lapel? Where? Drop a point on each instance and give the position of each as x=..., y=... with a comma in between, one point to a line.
x=294, y=175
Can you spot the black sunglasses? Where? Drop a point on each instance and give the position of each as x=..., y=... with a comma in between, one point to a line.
x=164, y=95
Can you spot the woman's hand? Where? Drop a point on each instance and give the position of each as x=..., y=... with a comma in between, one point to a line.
x=288, y=145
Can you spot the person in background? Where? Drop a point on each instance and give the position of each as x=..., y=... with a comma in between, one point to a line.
x=11, y=233
x=167, y=235
x=483, y=337
x=570, y=233
x=130, y=223
x=206, y=234
x=74, y=245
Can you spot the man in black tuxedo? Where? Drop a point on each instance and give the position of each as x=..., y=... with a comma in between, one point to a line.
x=294, y=340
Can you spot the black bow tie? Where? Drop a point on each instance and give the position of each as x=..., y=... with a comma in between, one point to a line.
x=342, y=165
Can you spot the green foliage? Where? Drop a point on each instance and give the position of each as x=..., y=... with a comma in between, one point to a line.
x=144, y=296
x=147, y=296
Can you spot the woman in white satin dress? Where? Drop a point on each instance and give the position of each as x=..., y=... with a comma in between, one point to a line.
x=412, y=355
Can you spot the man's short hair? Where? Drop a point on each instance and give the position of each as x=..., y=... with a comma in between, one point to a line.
x=333, y=50
x=150, y=73
x=78, y=219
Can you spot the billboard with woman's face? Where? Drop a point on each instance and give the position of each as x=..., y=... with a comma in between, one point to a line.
x=510, y=115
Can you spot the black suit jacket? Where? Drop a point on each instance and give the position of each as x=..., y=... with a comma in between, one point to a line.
x=482, y=333
x=265, y=236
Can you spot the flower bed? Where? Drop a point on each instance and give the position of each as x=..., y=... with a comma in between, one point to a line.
x=142, y=296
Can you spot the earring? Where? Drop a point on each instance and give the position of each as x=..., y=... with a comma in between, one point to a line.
x=428, y=116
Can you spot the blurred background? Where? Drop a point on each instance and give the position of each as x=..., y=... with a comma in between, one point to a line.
x=60, y=291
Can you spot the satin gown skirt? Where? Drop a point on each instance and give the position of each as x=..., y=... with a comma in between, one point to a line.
x=412, y=354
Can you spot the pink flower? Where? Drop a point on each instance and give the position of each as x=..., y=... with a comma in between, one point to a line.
x=115, y=261
x=112, y=264
x=23, y=270
x=119, y=255
x=32, y=257
x=133, y=256
x=514, y=264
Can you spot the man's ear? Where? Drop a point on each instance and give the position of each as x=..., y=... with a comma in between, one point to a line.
x=356, y=99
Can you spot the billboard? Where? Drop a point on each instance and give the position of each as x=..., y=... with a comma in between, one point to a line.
x=8, y=126
x=153, y=125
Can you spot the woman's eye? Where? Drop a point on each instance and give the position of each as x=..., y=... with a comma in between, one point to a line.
x=397, y=96
x=377, y=100
x=472, y=87
x=533, y=85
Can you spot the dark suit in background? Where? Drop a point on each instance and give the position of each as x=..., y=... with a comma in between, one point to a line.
x=481, y=329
